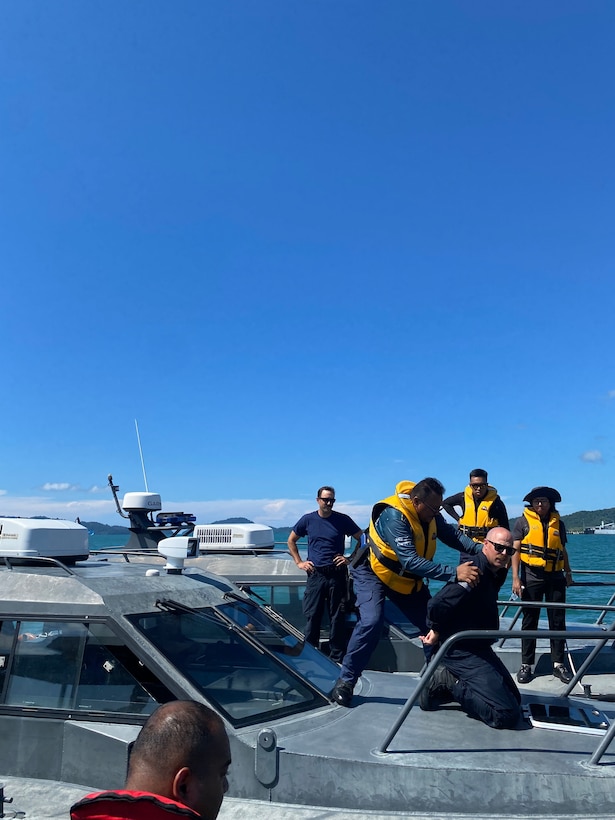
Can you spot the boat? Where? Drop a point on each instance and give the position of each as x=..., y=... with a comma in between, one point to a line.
x=90, y=644
x=605, y=529
x=246, y=554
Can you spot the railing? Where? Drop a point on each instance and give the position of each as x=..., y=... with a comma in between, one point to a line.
x=603, y=609
x=491, y=635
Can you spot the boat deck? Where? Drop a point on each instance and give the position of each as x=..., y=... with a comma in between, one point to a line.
x=447, y=759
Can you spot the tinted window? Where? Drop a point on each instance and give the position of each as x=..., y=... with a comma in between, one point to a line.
x=229, y=666
x=71, y=665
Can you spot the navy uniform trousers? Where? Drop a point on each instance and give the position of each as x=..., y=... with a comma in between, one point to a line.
x=370, y=595
x=484, y=687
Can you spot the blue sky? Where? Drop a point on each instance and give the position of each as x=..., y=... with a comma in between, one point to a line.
x=301, y=243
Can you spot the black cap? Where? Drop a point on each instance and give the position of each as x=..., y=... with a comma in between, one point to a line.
x=543, y=492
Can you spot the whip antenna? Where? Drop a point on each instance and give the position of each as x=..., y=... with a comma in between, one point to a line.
x=141, y=454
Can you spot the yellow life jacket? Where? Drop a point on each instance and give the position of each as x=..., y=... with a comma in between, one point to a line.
x=476, y=522
x=382, y=557
x=533, y=549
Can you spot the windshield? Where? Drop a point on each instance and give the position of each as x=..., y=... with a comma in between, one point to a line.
x=231, y=668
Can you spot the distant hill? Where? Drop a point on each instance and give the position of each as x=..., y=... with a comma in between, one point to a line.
x=105, y=529
x=234, y=521
x=576, y=522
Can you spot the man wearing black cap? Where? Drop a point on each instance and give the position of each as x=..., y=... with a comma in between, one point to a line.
x=541, y=570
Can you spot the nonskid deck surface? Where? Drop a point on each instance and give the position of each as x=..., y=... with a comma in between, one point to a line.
x=445, y=759
x=48, y=800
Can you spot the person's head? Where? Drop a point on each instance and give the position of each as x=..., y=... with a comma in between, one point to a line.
x=426, y=496
x=498, y=548
x=182, y=753
x=543, y=500
x=479, y=483
x=326, y=499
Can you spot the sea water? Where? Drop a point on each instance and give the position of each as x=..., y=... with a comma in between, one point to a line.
x=586, y=552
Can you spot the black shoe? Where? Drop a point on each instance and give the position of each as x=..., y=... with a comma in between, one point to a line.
x=524, y=675
x=438, y=690
x=562, y=673
x=342, y=693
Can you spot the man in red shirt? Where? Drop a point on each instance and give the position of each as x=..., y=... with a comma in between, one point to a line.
x=178, y=768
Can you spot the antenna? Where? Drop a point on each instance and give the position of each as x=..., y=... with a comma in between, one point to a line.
x=141, y=454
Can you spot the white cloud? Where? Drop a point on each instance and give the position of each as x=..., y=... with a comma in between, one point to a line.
x=275, y=512
x=2, y=492
x=278, y=512
x=27, y=506
x=592, y=456
x=58, y=486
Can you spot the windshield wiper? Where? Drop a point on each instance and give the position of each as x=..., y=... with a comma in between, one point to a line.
x=280, y=619
x=174, y=606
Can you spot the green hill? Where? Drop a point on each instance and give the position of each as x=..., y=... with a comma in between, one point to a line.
x=578, y=521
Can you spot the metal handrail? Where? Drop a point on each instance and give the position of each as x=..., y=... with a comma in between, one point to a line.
x=603, y=609
x=490, y=635
x=519, y=604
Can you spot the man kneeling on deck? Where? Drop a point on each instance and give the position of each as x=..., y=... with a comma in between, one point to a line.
x=472, y=674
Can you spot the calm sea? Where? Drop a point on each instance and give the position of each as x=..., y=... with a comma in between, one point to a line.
x=587, y=552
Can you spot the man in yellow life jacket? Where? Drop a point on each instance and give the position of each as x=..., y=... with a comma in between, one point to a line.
x=399, y=554
x=541, y=570
x=481, y=507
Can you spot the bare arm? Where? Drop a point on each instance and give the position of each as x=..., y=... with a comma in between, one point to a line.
x=341, y=560
x=307, y=566
x=567, y=570
x=515, y=563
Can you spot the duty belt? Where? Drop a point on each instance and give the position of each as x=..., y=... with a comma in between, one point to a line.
x=329, y=569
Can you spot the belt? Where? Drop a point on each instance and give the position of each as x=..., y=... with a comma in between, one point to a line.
x=330, y=569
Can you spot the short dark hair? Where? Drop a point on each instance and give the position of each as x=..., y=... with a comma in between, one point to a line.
x=425, y=487
x=327, y=488
x=173, y=736
x=478, y=473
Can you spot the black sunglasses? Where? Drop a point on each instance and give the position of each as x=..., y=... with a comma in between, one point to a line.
x=331, y=501
x=502, y=547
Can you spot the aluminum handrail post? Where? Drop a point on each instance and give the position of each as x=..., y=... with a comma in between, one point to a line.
x=423, y=682
x=483, y=634
x=603, y=745
x=602, y=615
x=589, y=660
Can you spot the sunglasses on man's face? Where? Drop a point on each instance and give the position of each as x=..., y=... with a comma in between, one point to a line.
x=501, y=548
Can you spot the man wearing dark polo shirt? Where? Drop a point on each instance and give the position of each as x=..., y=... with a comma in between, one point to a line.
x=326, y=568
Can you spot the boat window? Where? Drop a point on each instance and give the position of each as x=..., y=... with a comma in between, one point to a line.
x=8, y=637
x=286, y=599
x=231, y=670
x=305, y=659
x=71, y=665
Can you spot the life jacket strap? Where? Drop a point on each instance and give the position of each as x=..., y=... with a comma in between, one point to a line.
x=390, y=563
x=473, y=532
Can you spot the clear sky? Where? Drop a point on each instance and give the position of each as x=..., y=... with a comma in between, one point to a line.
x=305, y=242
